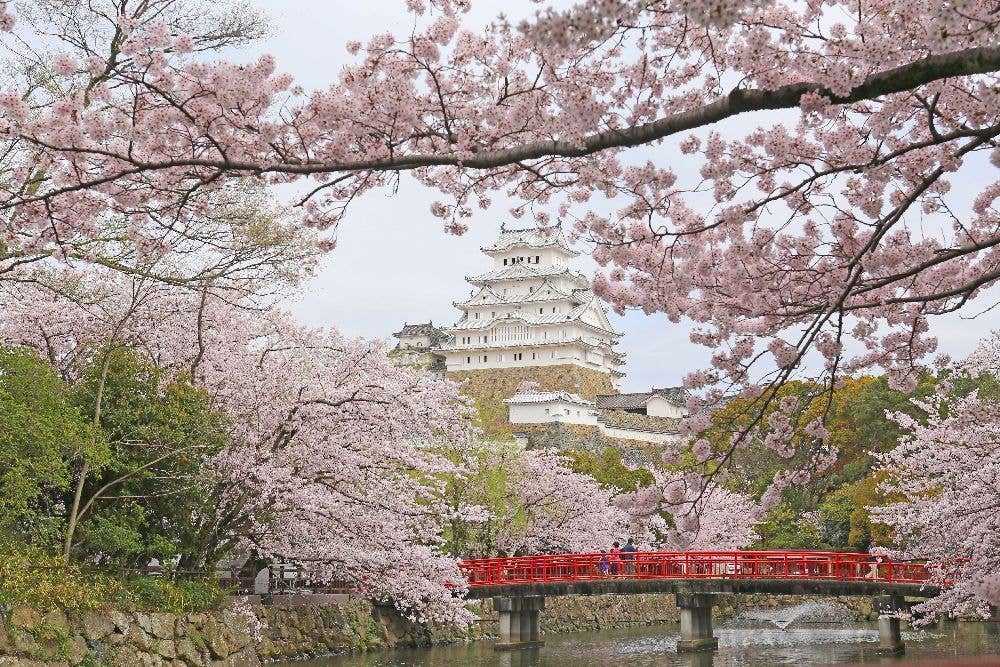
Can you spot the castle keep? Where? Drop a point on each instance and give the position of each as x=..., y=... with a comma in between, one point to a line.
x=532, y=318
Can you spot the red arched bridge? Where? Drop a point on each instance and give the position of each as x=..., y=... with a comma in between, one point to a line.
x=519, y=584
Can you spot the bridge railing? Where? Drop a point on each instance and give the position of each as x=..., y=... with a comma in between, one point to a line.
x=812, y=565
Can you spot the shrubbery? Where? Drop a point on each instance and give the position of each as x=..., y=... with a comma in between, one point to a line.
x=29, y=577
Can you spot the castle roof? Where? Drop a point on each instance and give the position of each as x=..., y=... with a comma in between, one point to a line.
x=436, y=334
x=525, y=272
x=575, y=315
x=634, y=401
x=526, y=397
x=638, y=421
x=530, y=237
x=544, y=292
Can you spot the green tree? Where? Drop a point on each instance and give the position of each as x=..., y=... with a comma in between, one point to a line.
x=785, y=528
x=608, y=469
x=835, y=514
x=148, y=499
x=40, y=431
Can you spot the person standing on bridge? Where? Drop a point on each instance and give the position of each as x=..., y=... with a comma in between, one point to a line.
x=615, y=558
x=628, y=555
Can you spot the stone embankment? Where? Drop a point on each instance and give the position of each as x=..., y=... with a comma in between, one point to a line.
x=252, y=634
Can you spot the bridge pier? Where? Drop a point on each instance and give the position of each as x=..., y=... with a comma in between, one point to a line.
x=890, y=639
x=520, y=625
x=696, y=622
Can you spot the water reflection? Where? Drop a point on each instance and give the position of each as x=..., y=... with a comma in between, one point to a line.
x=656, y=646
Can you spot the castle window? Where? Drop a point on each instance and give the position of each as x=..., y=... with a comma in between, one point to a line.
x=493, y=314
x=505, y=262
x=532, y=355
x=553, y=309
x=485, y=358
x=537, y=257
x=477, y=316
x=541, y=310
x=546, y=411
x=567, y=412
x=468, y=360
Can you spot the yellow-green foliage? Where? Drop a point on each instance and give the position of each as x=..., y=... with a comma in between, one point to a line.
x=493, y=417
x=28, y=577
x=609, y=470
x=42, y=582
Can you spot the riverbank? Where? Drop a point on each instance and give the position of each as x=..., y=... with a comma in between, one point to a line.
x=246, y=633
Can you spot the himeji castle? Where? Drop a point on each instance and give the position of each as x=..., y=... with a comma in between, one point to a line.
x=531, y=309
x=532, y=318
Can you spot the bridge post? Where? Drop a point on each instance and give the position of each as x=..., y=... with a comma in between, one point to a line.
x=890, y=640
x=696, y=622
x=520, y=625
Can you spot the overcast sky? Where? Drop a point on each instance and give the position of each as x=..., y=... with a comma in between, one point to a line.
x=393, y=262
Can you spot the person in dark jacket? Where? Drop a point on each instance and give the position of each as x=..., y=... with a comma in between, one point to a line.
x=628, y=556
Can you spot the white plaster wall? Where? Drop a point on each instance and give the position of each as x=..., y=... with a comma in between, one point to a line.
x=546, y=257
x=415, y=341
x=660, y=407
x=550, y=412
x=503, y=357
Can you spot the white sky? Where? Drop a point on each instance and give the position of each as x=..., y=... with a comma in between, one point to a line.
x=393, y=261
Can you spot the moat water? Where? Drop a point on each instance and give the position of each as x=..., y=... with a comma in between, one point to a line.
x=742, y=643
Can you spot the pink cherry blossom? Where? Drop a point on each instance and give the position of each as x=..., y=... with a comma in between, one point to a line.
x=836, y=222
x=947, y=473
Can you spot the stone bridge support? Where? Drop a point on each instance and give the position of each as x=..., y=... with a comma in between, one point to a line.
x=890, y=639
x=696, y=622
x=519, y=621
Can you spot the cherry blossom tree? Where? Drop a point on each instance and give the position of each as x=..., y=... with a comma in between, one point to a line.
x=239, y=239
x=529, y=501
x=331, y=459
x=836, y=221
x=946, y=474
x=832, y=222
x=702, y=517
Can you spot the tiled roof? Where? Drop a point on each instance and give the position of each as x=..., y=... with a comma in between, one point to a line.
x=639, y=422
x=524, y=272
x=529, y=318
x=676, y=395
x=545, y=397
x=534, y=237
x=437, y=335
x=537, y=294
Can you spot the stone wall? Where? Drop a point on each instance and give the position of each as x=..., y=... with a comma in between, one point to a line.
x=230, y=637
x=31, y=639
x=582, y=613
x=578, y=437
x=500, y=383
